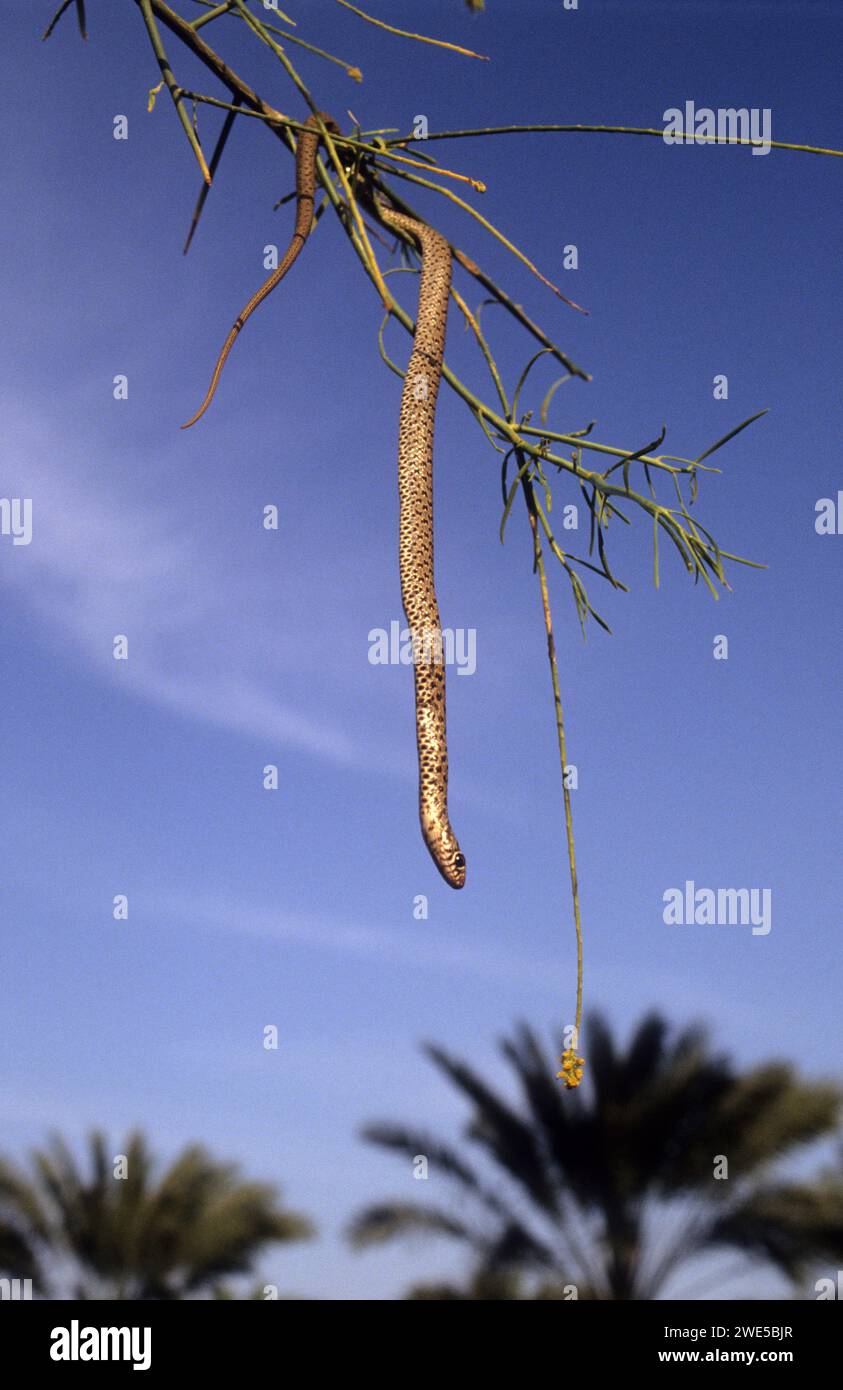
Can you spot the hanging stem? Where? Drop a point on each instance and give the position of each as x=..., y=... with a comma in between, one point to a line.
x=571, y=1064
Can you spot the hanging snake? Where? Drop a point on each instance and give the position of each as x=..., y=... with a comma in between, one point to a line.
x=415, y=539
x=415, y=486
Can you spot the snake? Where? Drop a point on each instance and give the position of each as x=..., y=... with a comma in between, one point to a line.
x=415, y=483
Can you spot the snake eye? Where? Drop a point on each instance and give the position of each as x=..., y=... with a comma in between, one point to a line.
x=459, y=861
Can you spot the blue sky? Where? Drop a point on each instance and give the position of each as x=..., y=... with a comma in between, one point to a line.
x=294, y=908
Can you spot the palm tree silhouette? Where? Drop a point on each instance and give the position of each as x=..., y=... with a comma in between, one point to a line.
x=135, y=1236
x=671, y=1156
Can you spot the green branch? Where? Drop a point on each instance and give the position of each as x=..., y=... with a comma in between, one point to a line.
x=581, y=128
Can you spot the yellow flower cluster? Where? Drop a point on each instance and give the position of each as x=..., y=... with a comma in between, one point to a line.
x=572, y=1068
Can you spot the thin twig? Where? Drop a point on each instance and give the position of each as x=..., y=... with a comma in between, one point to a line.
x=215, y=159
x=80, y=16
x=604, y=130
x=404, y=34
x=212, y=13
x=351, y=69
x=173, y=87
x=529, y=498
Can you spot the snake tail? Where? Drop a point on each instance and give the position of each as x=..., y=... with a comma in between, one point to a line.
x=306, y=152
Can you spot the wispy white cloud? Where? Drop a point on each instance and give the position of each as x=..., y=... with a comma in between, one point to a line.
x=101, y=563
x=351, y=939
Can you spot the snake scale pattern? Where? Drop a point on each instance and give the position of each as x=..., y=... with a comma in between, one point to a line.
x=415, y=486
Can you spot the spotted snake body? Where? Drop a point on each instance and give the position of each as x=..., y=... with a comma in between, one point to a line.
x=415, y=539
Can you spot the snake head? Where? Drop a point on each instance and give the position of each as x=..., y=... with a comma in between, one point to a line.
x=445, y=850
